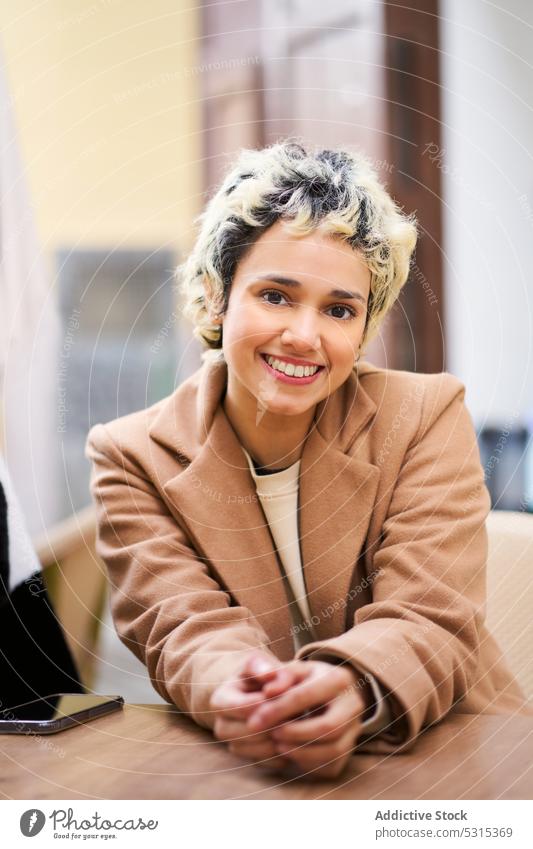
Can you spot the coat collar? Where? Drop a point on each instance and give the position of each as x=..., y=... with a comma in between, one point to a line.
x=185, y=418
x=215, y=497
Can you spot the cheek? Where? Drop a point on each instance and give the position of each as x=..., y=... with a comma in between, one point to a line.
x=246, y=326
x=342, y=349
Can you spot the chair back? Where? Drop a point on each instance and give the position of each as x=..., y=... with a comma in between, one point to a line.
x=510, y=591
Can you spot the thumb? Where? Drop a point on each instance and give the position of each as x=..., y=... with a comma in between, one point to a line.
x=260, y=668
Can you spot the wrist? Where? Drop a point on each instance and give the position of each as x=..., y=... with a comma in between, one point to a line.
x=363, y=691
x=357, y=683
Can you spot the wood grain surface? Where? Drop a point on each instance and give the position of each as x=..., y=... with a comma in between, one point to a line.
x=154, y=752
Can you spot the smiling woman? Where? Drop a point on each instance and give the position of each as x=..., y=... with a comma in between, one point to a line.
x=296, y=540
x=333, y=190
x=299, y=324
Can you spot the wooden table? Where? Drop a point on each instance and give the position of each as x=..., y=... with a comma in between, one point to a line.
x=154, y=752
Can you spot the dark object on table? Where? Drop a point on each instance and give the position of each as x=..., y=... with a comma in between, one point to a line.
x=35, y=659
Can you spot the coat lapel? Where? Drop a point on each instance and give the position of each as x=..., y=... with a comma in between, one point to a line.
x=215, y=497
x=337, y=491
x=336, y=496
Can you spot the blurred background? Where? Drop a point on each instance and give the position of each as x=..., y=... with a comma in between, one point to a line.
x=117, y=120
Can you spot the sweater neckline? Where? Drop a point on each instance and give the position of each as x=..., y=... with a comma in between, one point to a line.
x=278, y=484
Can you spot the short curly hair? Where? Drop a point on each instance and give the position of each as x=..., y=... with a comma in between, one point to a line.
x=336, y=189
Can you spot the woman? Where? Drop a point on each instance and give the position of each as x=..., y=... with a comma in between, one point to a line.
x=295, y=540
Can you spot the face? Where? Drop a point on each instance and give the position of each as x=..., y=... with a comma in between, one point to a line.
x=296, y=303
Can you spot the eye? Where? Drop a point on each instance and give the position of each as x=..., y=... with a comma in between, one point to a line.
x=267, y=293
x=272, y=292
x=351, y=312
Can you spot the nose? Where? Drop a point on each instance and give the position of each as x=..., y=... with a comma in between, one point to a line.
x=302, y=333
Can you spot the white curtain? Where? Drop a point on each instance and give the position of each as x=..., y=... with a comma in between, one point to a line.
x=29, y=333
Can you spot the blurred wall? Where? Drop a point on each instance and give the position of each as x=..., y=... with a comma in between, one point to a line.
x=105, y=93
x=487, y=165
x=105, y=106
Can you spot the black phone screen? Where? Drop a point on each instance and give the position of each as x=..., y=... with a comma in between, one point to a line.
x=54, y=707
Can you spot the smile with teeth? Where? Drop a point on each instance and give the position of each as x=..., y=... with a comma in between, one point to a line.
x=290, y=369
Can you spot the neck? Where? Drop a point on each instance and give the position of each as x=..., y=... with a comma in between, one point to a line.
x=274, y=441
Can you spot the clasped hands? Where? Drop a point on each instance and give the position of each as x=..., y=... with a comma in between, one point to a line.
x=302, y=717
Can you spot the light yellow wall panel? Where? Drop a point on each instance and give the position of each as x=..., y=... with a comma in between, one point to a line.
x=107, y=103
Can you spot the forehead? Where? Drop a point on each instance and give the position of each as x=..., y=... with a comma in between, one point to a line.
x=316, y=256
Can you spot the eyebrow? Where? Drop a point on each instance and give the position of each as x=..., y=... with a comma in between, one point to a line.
x=290, y=282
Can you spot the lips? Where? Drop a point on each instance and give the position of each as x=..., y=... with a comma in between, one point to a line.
x=290, y=379
x=291, y=360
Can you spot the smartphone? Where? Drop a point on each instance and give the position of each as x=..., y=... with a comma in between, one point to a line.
x=50, y=714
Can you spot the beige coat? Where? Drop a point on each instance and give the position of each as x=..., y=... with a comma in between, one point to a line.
x=391, y=513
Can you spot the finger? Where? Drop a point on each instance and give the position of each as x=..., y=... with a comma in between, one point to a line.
x=257, y=681
x=258, y=669
x=233, y=703
x=306, y=695
x=229, y=730
x=329, y=725
x=284, y=679
x=312, y=755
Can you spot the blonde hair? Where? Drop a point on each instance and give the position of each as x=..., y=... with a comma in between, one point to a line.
x=336, y=189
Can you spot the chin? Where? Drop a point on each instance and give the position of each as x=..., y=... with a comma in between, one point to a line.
x=285, y=409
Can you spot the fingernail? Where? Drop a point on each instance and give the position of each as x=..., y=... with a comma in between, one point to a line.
x=255, y=722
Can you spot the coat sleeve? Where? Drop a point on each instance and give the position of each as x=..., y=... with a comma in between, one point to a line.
x=166, y=607
x=419, y=636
